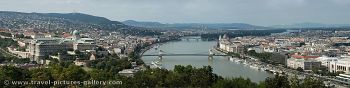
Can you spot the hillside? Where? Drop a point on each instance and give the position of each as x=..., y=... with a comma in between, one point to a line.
x=56, y=21
x=312, y=25
x=192, y=25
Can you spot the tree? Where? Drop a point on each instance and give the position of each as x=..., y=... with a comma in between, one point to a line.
x=110, y=64
x=72, y=73
x=235, y=83
x=41, y=74
x=100, y=75
x=20, y=36
x=277, y=82
x=294, y=82
x=21, y=60
x=312, y=83
x=300, y=69
x=262, y=85
x=11, y=73
x=77, y=52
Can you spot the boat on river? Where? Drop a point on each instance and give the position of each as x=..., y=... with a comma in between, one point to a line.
x=156, y=64
x=232, y=59
x=254, y=66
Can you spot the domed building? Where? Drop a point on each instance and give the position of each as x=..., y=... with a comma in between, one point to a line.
x=76, y=34
x=41, y=48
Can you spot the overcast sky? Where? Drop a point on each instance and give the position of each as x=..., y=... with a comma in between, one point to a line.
x=259, y=12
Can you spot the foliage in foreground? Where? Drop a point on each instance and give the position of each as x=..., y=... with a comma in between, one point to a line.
x=181, y=76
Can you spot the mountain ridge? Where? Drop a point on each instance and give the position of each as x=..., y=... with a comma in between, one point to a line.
x=192, y=25
x=311, y=25
x=54, y=21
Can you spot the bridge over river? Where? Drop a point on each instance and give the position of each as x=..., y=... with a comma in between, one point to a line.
x=211, y=53
x=184, y=55
x=190, y=51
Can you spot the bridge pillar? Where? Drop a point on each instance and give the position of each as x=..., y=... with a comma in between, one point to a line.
x=210, y=57
x=210, y=61
x=211, y=53
x=160, y=57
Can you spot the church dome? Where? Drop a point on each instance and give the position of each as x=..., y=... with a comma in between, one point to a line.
x=75, y=32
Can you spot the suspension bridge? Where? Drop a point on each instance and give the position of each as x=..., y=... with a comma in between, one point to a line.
x=162, y=53
x=185, y=55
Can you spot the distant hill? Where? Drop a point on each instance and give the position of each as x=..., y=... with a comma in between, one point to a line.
x=83, y=18
x=144, y=24
x=55, y=21
x=311, y=25
x=67, y=22
x=193, y=25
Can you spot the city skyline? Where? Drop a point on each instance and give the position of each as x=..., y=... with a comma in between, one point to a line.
x=264, y=13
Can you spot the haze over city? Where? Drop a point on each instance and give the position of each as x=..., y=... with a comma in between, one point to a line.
x=258, y=12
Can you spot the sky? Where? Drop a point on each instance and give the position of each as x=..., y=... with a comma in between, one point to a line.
x=258, y=12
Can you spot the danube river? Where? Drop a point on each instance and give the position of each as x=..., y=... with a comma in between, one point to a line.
x=221, y=65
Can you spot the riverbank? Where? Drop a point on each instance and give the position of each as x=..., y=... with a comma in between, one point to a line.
x=220, y=65
x=154, y=44
x=251, y=62
x=280, y=69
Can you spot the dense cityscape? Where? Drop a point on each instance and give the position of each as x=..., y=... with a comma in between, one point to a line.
x=81, y=50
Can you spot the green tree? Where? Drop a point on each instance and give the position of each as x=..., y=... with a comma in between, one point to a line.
x=294, y=82
x=21, y=60
x=261, y=84
x=312, y=83
x=72, y=73
x=277, y=82
x=100, y=75
x=10, y=73
x=300, y=69
x=41, y=74
x=234, y=83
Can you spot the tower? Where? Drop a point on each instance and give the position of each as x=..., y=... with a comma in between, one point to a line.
x=225, y=36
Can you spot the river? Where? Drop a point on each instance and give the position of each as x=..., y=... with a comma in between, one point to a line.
x=221, y=65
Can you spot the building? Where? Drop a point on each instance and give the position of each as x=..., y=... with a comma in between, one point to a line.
x=304, y=62
x=235, y=48
x=223, y=42
x=269, y=49
x=325, y=60
x=128, y=72
x=257, y=49
x=75, y=34
x=34, y=36
x=40, y=48
x=342, y=64
x=23, y=42
x=80, y=62
x=226, y=45
x=21, y=54
x=84, y=44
